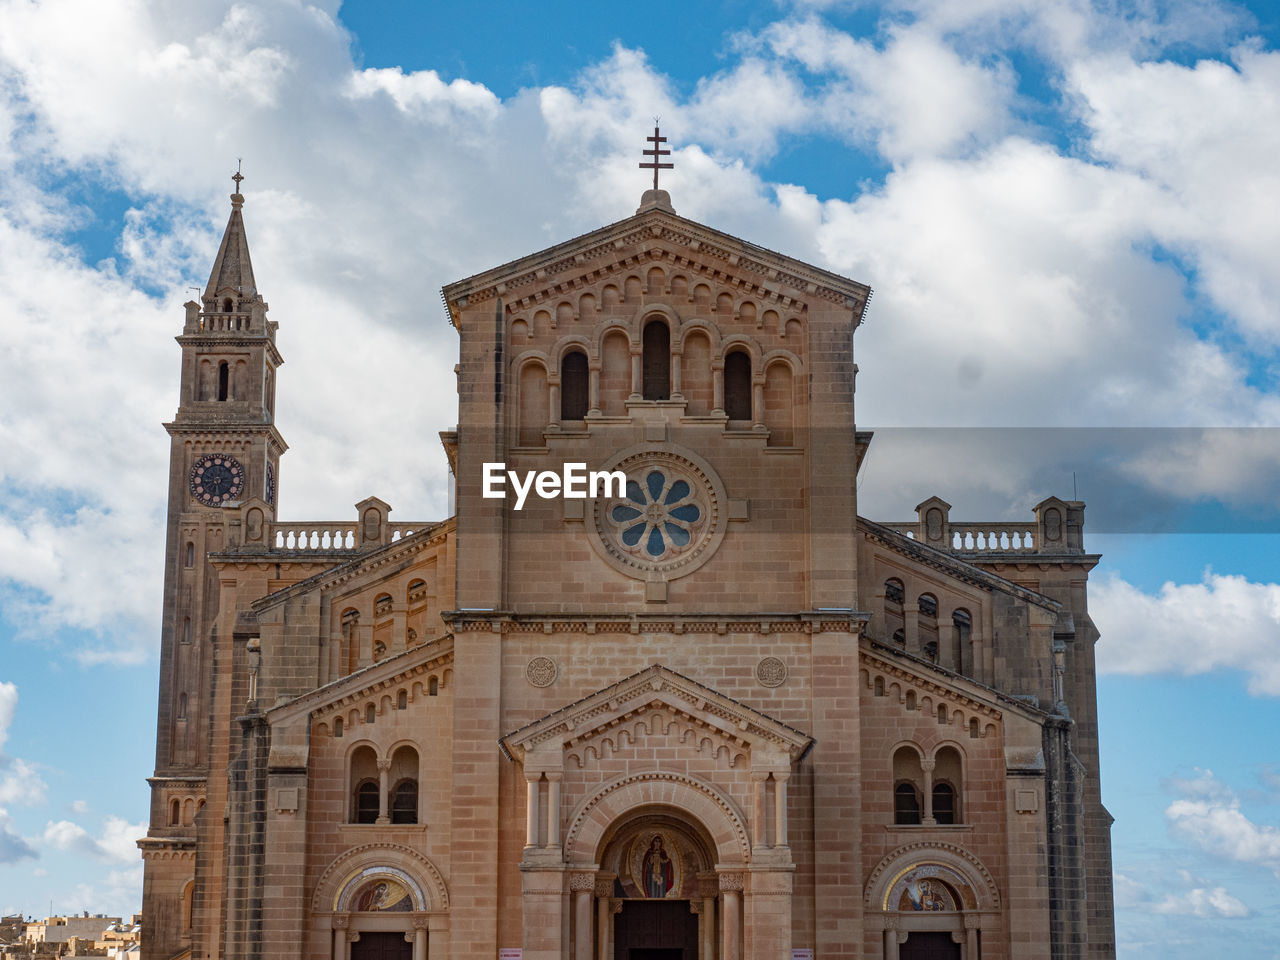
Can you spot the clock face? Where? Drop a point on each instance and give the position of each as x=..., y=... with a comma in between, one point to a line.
x=217, y=479
x=271, y=484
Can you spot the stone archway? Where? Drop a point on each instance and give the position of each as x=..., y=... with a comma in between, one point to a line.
x=931, y=900
x=382, y=902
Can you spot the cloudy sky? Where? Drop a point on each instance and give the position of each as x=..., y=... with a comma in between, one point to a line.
x=1068, y=212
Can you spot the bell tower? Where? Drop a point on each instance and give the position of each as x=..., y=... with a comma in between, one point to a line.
x=224, y=449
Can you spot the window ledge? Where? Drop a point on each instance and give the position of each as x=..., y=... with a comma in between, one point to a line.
x=916, y=827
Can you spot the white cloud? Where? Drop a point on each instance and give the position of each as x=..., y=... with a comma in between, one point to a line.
x=115, y=844
x=1208, y=815
x=1202, y=903
x=12, y=847
x=1225, y=622
x=20, y=782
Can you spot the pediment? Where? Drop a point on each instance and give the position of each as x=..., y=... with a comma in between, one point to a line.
x=656, y=690
x=656, y=236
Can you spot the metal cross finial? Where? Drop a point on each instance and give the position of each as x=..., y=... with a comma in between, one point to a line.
x=237, y=176
x=655, y=165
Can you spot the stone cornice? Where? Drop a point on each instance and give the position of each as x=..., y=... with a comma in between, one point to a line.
x=217, y=341
x=356, y=686
x=228, y=429
x=586, y=258
x=505, y=621
x=893, y=661
x=962, y=569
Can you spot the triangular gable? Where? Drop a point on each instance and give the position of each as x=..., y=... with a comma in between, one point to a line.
x=656, y=688
x=588, y=258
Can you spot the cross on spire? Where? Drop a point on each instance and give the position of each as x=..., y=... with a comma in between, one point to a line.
x=655, y=164
x=237, y=176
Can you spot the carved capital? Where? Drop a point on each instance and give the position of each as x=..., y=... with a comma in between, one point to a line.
x=582, y=881
x=732, y=882
x=615, y=905
x=928, y=765
x=972, y=921
x=384, y=764
x=554, y=775
x=422, y=923
x=891, y=923
x=604, y=889
x=341, y=922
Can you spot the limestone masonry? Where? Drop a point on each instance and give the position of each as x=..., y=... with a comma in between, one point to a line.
x=710, y=714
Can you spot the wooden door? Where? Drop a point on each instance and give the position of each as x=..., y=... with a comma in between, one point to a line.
x=929, y=946
x=655, y=930
x=382, y=946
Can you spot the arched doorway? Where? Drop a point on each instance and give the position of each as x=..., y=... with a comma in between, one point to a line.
x=381, y=946
x=664, y=885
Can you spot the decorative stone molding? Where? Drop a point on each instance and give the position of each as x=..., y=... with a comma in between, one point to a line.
x=718, y=814
x=732, y=882
x=433, y=893
x=771, y=672
x=582, y=881
x=541, y=672
x=950, y=855
x=604, y=889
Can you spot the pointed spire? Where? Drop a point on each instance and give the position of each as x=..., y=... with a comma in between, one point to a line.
x=232, y=269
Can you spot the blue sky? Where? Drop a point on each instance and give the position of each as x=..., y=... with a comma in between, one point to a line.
x=1067, y=212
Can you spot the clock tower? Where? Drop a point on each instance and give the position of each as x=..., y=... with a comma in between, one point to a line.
x=225, y=450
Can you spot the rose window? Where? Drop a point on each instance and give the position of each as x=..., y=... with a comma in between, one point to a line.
x=658, y=516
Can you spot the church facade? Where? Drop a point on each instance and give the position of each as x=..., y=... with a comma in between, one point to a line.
x=703, y=711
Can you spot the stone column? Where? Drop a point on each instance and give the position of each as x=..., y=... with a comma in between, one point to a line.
x=675, y=377
x=531, y=810
x=927, y=766
x=708, y=919
x=384, y=789
x=341, y=947
x=420, y=938
x=553, y=399
x=593, y=390
x=717, y=388
x=757, y=404
x=582, y=887
x=604, y=890
x=780, y=808
x=971, y=925
x=637, y=379
x=731, y=885
x=758, y=824
x=553, y=808
x=891, y=938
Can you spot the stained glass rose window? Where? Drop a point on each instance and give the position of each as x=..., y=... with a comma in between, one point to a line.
x=658, y=514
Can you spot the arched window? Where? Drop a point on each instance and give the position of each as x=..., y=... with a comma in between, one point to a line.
x=370, y=713
x=191, y=554
x=944, y=803
x=182, y=706
x=908, y=776
x=737, y=385
x=906, y=804
x=337, y=726
x=404, y=802
x=186, y=629
x=433, y=687
x=402, y=700
x=175, y=806
x=224, y=380
x=656, y=361
x=364, y=785
x=366, y=802
x=574, y=398
x=947, y=785
x=404, y=795
x=226, y=305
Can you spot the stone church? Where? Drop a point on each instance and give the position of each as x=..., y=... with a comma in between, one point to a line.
x=705, y=711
